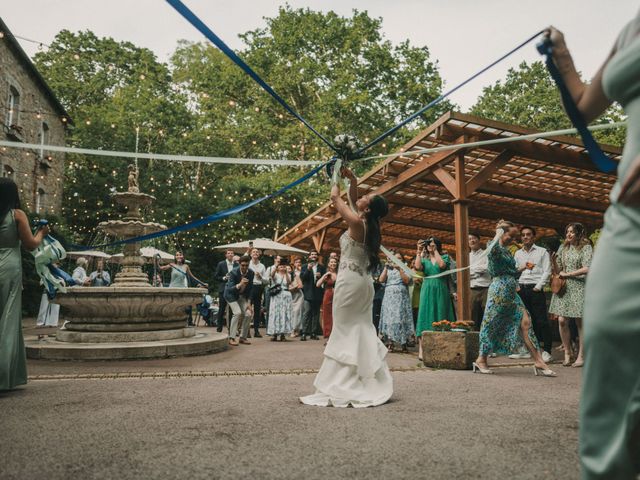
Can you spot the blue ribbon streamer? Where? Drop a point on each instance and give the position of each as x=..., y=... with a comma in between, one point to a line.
x=208, y=219
x=436, y=101
x=597, y=156
x=191, y=17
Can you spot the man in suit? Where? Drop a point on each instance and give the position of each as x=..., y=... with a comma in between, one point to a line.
x=222, y=272
x=309, y=275
x=237, y=293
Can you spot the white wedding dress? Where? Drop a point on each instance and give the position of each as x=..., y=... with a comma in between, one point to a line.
x=354, y=371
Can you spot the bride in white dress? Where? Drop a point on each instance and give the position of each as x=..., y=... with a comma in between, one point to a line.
x=354, y=371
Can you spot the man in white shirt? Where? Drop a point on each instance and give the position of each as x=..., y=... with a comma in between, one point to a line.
x=480, y=279
x=534, y=264
x=259, y=280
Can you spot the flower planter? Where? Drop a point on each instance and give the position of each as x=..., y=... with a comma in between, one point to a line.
x=450, y=350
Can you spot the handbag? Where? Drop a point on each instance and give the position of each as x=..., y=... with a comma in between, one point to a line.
x=558, y=284
x=275, y=290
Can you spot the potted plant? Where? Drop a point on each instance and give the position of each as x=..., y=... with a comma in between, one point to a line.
x=451, y=345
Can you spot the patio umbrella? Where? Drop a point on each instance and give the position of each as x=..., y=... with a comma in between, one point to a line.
x=147, y=253
x=88, y=253
x=269, y=247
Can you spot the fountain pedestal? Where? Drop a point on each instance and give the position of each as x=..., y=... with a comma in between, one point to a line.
x=129, y=319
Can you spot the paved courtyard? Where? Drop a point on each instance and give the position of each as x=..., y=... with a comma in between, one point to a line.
x=235, y=414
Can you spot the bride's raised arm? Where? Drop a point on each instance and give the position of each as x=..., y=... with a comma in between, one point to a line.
x=356, y=227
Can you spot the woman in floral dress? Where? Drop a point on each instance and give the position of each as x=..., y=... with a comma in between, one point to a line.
x=396, y=319
x=506, y=323
x=573, y=259
x=280, y=304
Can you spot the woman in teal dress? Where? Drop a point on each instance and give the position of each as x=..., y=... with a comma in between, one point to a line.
x=610, y=403
x=14, y=229
x=435, y=301
x=506, y=324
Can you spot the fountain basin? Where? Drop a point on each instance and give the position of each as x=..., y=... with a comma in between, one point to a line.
x=126, y=309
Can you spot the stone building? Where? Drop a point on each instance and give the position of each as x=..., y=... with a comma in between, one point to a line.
x=30, y=113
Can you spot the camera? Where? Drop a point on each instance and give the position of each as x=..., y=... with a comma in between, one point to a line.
x=426, y=242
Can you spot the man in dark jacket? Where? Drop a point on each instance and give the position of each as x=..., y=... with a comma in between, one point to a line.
x=309, y=275
x=222, y=272
x=237, y=293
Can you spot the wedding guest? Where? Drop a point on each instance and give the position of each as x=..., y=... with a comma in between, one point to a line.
x=280, y=303
x=100, y=277
x=222, y=275
x=573, y=259
x=506, y=324
x=396, y=319
x=534, y=265
x=378, y=295
x=48, y=314
x=452, y=286
x=480, y=279
x=269, y=284
x=610, y=402
x=180, y=275
x=313, y=294
x=259, y=280
x=415, y=294
x=79, y=274
x=297, y=298
x=14, y=231
x=327, y=282
x=435, y=302
x=157, y=280
x=237, y=293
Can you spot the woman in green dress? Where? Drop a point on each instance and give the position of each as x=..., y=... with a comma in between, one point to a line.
x=435, y=302
x=506, y=324
x=573, y=259
x=14, y=229
x=610, y=404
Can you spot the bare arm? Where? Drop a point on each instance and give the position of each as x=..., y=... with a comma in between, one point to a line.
x=203, y=284
x=383, y=276
x=418, y=261
x=589, y=98
x=441, y=263
x=356, y=228
x=29, y=241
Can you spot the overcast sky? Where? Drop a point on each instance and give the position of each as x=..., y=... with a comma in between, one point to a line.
x=463, y=35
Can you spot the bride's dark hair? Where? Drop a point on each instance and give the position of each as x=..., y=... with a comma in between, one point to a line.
x=378, y=208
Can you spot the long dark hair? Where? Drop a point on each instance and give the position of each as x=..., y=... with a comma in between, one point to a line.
x=378, y=208
x=9, y=198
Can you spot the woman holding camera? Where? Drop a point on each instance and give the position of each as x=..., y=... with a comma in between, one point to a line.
x=280, y=303
x=435, y=302
x=327, y=282
x=396, y=317
x=14, y=230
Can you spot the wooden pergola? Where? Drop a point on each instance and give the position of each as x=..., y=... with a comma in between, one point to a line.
x=545, y=183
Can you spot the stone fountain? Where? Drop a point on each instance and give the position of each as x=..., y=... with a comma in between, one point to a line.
x=130, y=318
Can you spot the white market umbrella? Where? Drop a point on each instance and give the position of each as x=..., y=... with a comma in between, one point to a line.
x=148, y=253
x=269, y=247
x=88, y=253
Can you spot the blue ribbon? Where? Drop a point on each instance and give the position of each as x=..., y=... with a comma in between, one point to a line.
x=598, y=157
x=191, y=17
x=436, y=101
x=208, y=219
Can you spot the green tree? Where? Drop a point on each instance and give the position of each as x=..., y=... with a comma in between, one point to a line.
x=529, y=97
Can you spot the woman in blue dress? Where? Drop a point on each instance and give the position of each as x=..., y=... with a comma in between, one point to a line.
x=396, y=317
x=506, y=324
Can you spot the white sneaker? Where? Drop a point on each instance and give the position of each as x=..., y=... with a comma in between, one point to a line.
x=546, y=356
x=519, y=356
x=493, y=355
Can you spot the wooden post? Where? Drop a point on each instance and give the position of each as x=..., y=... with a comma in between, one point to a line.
x=461, y=218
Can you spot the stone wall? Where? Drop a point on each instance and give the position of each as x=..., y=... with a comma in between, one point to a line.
x=39, y=174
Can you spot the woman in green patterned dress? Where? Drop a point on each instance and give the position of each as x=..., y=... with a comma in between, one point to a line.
x=610, y=404
x=506, y=324
x=573, y=259
x=14, y=228
x=435, y=302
